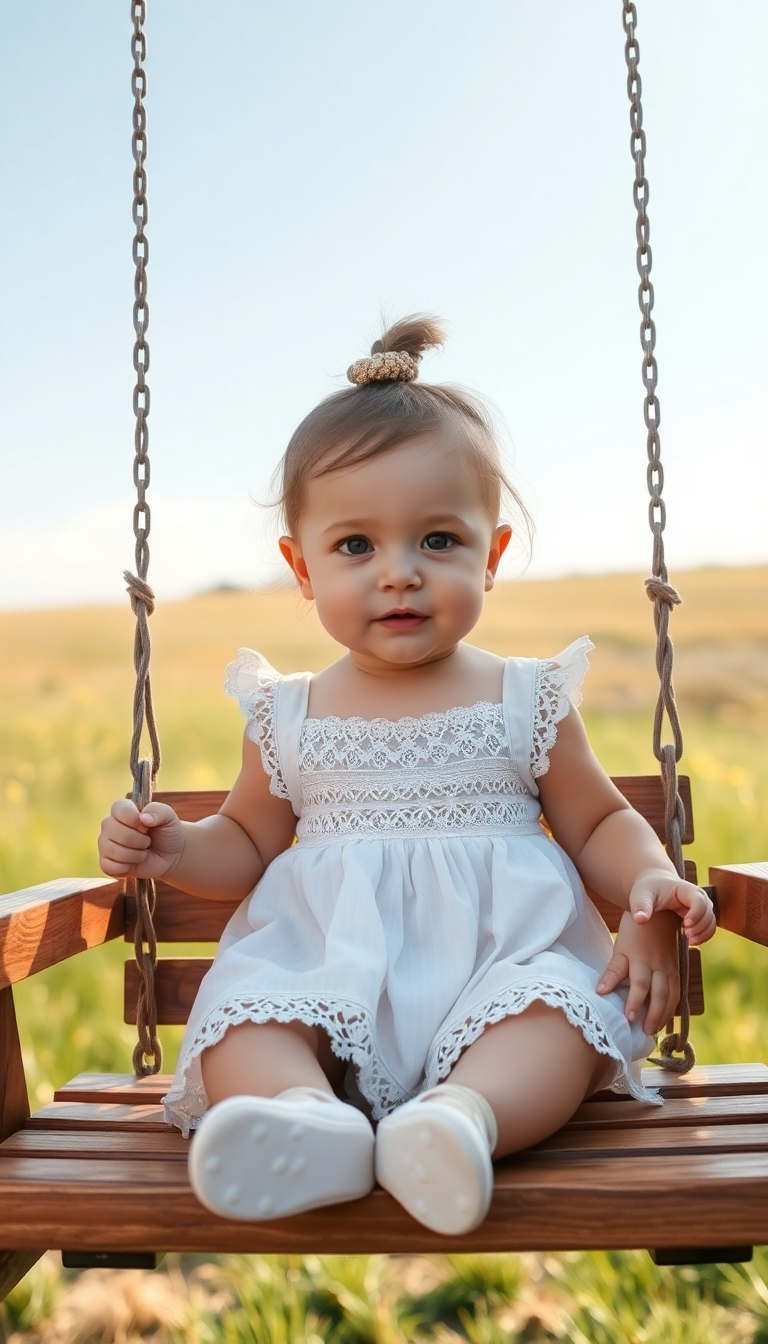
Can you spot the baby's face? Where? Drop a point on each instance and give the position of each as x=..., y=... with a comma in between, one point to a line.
x=397, y=553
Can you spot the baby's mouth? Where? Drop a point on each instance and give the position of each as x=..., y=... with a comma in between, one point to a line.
x=401, y=620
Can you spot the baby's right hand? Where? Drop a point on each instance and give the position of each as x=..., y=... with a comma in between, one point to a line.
x=133, y=844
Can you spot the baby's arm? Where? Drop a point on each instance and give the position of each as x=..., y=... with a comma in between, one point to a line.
x=220, y=857
x=613, y=847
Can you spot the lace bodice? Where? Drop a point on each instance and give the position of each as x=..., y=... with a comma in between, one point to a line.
x=443, y=772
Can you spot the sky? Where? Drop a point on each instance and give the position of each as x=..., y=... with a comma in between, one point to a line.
x=314, y=166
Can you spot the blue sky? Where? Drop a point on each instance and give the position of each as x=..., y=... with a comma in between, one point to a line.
x=313, y=165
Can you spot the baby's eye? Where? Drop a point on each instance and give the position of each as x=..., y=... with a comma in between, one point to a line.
x=355, y=546
x=439, y=541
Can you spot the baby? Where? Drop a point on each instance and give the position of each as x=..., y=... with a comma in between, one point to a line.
x=424, y=955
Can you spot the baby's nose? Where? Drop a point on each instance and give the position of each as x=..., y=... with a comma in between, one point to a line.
x=400, y=570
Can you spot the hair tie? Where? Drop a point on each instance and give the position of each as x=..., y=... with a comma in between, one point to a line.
x=389, y=366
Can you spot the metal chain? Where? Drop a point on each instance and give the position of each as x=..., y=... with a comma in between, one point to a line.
x=658, y=587
x=148, y=1054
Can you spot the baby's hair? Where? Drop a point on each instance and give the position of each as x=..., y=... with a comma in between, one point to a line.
x=361, y=422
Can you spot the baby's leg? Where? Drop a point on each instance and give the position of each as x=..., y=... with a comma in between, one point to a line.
x=266, y=1059
x=534, y=1069
x=276, y=1140
x=523, y=1078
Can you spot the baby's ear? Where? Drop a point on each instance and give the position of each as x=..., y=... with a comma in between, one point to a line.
x=502, y=535
x=292, y=554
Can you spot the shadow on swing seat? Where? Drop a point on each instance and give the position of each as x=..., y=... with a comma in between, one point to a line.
x=101, y=1176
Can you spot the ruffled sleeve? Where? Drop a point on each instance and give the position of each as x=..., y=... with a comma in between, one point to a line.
x=557, y=686
x=251, y=680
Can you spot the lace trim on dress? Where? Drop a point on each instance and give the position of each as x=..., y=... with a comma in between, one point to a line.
x=578, y=1010
x=473, y=816
x=251, y=680
x=349, y=1028
x=557, y=686
x=466, y=778
x=464, y=732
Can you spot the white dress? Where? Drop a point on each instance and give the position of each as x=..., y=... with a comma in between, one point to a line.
x=422, y=901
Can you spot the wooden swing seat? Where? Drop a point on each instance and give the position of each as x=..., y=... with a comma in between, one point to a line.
x=98, y=1174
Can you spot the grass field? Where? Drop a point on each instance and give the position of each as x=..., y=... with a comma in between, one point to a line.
x=66, y=686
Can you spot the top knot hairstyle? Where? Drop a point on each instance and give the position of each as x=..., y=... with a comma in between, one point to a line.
x=387, y=406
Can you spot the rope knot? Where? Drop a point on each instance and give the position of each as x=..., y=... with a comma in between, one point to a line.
x=666, y=1057
x=659, y=591
x=140, y=593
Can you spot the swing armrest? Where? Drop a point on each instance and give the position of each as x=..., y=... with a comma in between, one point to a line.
x=46, y=924
x=741, y=899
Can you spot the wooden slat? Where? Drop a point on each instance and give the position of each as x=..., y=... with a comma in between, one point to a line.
x=751, y=1109
x=107, y=1116
x=181, y=918
x=742, y=899
x=14, y=1109
x=677, y=1110
x=646, y=794
x=43, y=925
x=177, y=980
x=579, y=1144
x=192, y=805
x=568, y=1144
x=137, y=1204
x=702, y=1080
x=115, y=1144
x=120, y=1088
x=13, y=1266
x=14, y=1102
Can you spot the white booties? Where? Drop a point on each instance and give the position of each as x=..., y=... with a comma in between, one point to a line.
x=434, y=1155
x=267, y=1157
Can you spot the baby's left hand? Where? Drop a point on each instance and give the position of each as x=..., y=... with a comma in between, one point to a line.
x=660, y=890
x=645, y=956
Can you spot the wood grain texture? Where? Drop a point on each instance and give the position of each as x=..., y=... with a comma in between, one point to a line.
x=13, y=1266
x=14, y=1110
x=141, y=1142
x=733, y=1109
x=181, y=918
x=692, y=1173
x=43, y=925
x=14, y=1102
x=147, y=1204
x=702, y=1080
x=177, y=980
x=192, y=805
x=742, y=899
x=61, y=1115
x=138, y=1141
x=570, y=1144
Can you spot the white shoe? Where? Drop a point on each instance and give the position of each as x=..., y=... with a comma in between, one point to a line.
x=267, y=1157
x=434, y=1155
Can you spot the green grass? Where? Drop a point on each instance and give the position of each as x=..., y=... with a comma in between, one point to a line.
x=65, y=697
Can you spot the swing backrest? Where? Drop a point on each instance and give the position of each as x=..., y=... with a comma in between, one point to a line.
x=182, y=918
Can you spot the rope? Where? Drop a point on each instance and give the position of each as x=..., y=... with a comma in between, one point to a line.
x=148, y=1053
x=658, y=587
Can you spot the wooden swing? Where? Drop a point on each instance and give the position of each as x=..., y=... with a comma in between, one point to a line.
x=101, y=1176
